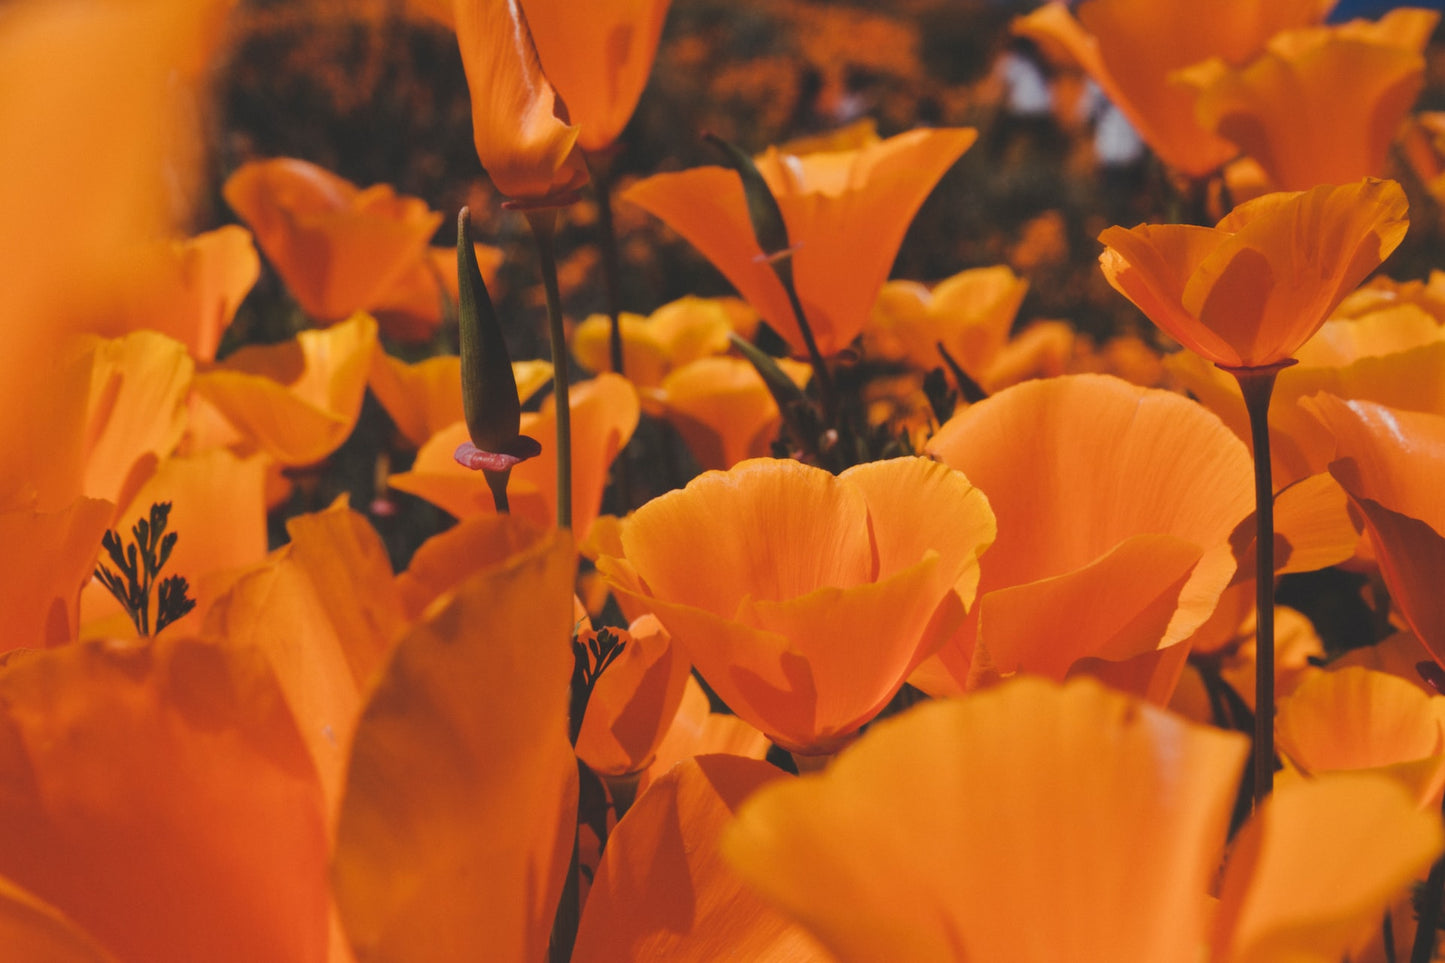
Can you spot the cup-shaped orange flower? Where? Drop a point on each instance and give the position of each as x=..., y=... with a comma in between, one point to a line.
x=675, y=334
x=1320, y=105
x=519, y=124
x=846, y=212
x=599, y=56
x=1249, y=291
x=806, y=599
x=338, y=248
x=1132, y=48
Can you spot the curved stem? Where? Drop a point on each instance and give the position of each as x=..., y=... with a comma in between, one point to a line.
x=1257, y=385
x=543, y=222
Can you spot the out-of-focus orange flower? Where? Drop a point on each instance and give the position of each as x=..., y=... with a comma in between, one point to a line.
x=722, y=408
x=42, y=601
x=520, y=126
x=188, y=289
x=675, y=334
x=1391, y=356
x=425, y=397
x=634, y=701
x=158, y=795
x=970, y=314
x=664, y=892
x=1322, y=104
x=1391, y=463
x=461, y=753
x=338, y=248
x=599, y=57
x=1115, y=506
x=297, y=400
x=410, y=310
x=1132, y=48
x=972, y=787
x=808, y=632
x=1354, y=719
x=1249, y=291
x=605, y=412
x=846, y=212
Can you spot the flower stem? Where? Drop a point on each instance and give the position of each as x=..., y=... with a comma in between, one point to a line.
x=543, y=222
x=1257, y=385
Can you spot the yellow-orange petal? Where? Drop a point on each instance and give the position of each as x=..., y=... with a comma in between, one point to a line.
x=160, y=797
x=634, y=701
x=1310, y=875
x=923, y=882
x=1146, y=462
x=696, y=731
x=337, y=247
x=663, y=890
x=459, y=811
x=300, y=399
x=446, y=559
x=188, y=289
x=722, y=408
x=40, y=585
x=31, y=929
x=519, y=124
x=425, y=397
x=600, y=81
x=1356, y=718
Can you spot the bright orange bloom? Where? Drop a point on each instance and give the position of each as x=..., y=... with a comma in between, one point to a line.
x=846, y=212
x=1391, y=463
x=461, y=789
x=634, y=702
x=1353, y=719
x=722, y=408
x=599, y=57
x=1132, y=48
x=970, y=313
x=159, y=795
x=410, y=311
x=1249, y=291
x=604, y=415
x=338, y=248
x=425, y=397
x=663, y=891
x=972, y=788
x=1321, y=105
x=42, y=600
x=675, y=334
x=188, y=289
x=520, y=125
x=813, y=597
x=1115, y=506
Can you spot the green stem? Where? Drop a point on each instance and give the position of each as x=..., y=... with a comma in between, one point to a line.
x=543, y=222
x=1257, y=385
x=497, y=482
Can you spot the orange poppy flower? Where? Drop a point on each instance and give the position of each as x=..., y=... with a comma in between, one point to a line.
x=971, y=313
x=520, y=125
x=1132, y=48
x=188, y=289
x=425, y=397
x=338, y=248
x=600, y=81
x=634, y=701
x=1354, y=719
x=1320, y=105
x=41, y=594
x=1249, y=291
x=722, y=408
x=1390, y=462
x=410, y=310
x=663, y=891
x=604, y=415
x=808, y=633
x=461, y=789
x=846, y=212
x=1137, y=570
x=675, y=334
x=159, y=795
x=973, y=838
